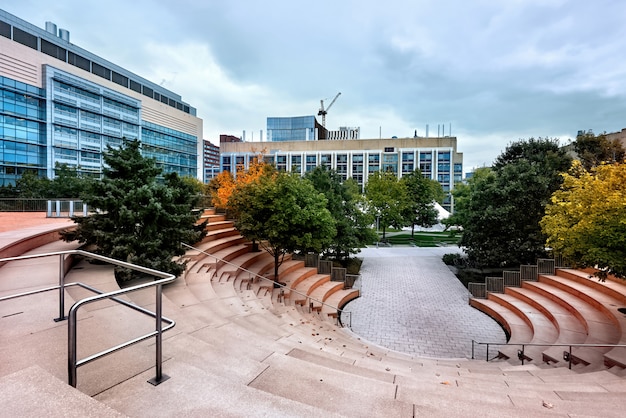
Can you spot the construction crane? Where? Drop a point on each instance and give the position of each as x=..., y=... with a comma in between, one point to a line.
x=323, y=111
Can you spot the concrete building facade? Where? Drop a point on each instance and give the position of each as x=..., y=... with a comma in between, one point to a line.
x=62, y=104
x=436, y=158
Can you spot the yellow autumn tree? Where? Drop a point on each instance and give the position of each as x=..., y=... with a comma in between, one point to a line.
x=586, y=219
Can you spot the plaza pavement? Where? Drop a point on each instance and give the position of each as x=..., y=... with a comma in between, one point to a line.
x=411, y=302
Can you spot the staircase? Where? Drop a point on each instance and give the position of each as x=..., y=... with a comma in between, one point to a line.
x=240, y=349
x=558, y=306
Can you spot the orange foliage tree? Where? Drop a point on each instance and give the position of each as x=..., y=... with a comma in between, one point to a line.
x=222, y=187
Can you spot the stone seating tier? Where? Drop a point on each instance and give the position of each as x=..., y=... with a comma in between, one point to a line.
x=569, y=307
x=237, y=353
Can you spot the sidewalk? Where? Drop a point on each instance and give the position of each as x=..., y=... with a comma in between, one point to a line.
x=411, y=302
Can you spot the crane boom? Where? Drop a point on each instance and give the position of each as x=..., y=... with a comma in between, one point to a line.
x=322, y=112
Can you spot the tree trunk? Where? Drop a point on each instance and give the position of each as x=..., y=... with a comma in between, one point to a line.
x=276, y=266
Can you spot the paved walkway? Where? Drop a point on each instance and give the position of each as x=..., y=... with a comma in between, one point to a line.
x=411, y=302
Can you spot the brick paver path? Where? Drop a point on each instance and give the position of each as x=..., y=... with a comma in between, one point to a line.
x=411, y=302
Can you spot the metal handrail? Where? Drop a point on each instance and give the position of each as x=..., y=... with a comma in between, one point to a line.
x=73, y=361
x=522, y=357
x=307, y=297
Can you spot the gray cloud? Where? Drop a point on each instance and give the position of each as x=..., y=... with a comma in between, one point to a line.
x=497, y=71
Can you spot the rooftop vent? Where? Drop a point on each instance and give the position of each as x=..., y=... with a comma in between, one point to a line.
x=51, y=28
x=64, y=34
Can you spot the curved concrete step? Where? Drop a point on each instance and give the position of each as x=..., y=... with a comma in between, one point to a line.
x=544, y=331
x=604, y=303
x=518, y=330
x=570, y=329
x=304, y=288
x=322, y=293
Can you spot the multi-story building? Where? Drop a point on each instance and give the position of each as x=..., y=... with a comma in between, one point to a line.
x=305, y=128
x=62, y=104
x=211, y=160
x=436, y=158
x=620, y=136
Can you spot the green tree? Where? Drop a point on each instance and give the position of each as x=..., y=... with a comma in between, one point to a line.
x=387, y=199
x=462, y=194
x=284, y=213
x=422, y=195
x=586, y=219
x=501, y=219
x=137, y=218
x=31, y=186
x=593, y=150
x=68, y=183
x=344, y=202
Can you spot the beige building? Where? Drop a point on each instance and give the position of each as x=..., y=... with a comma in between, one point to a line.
x=436, y=158
x=618, y=135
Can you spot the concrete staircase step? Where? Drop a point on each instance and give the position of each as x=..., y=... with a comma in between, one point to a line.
x=240, y=342
x=307, y=286
x=347, y=367
x=212, y=358
x=33, y=392
x=330, y=389
x=199, y=393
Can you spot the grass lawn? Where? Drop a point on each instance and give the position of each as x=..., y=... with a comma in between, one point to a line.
x=425, y=239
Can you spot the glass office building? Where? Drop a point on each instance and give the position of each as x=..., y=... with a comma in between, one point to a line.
x=297, y=128
x=62, y=104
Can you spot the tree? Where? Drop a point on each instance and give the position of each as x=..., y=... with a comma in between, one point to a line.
x=353, y=226
x=223, y=186
x=387, y=200
x=586, y=219
x=31, y=186
x=462, y=194
x=422, y=195
x=137, y=218
x=220, y=188
x=67, y=183
x=284, y=213
x=501, y=220
x=593, y=150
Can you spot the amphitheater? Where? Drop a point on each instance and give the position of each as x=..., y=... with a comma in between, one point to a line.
x=241, y=347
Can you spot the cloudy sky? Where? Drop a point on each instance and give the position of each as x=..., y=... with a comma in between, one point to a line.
x=494, y=70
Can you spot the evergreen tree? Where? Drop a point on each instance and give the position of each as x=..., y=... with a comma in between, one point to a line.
x=135, y=217
x=67, y=184
x=31, y=186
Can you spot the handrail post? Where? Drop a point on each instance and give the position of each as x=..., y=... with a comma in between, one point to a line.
x=160, y=377
x=62, y=316
x=570, y=357
x=487, y=359
x=71, y=348
x=472, y=349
